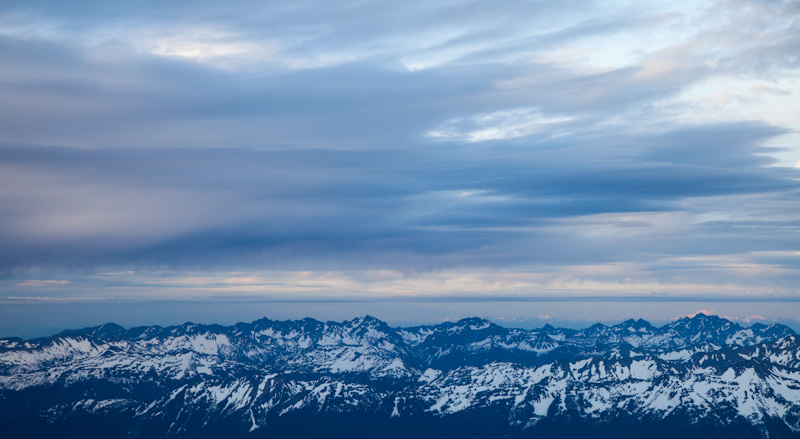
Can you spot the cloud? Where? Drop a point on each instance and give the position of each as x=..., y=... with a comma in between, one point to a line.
x=499, y=125
x=748, y=318
x=42, y=283
x=547, y=203
x=600, y=147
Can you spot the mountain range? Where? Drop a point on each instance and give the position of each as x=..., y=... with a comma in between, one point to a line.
x=703, y=376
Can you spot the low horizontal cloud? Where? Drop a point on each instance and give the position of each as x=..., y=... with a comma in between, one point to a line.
x=354, y=209
x=748, y=319
x=42, y=283
x=499, y=125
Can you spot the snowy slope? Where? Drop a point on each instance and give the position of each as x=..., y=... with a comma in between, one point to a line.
x=253, y=376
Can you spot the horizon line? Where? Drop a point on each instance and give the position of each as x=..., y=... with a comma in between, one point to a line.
x=434, y=299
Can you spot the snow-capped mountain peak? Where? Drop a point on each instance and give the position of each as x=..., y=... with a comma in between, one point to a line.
x=269, y=375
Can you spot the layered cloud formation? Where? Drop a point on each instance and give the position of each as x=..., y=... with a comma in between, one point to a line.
x=378, y=148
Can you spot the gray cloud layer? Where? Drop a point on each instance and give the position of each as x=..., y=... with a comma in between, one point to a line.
x=373, y=135
x=359, y=209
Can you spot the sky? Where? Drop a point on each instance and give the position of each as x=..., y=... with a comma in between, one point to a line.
x=415, y=160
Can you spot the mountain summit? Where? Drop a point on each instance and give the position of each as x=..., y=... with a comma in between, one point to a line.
x=703, y=376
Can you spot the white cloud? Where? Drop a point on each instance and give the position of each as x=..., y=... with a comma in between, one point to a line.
x=42, y=283
x=498, y=125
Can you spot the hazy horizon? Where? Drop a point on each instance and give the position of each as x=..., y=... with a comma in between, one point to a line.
x=40, y=320
x=308, y=153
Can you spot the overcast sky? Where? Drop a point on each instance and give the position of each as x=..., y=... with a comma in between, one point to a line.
x=304, y=150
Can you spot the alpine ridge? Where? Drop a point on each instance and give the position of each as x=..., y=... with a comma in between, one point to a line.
x=703, y=376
